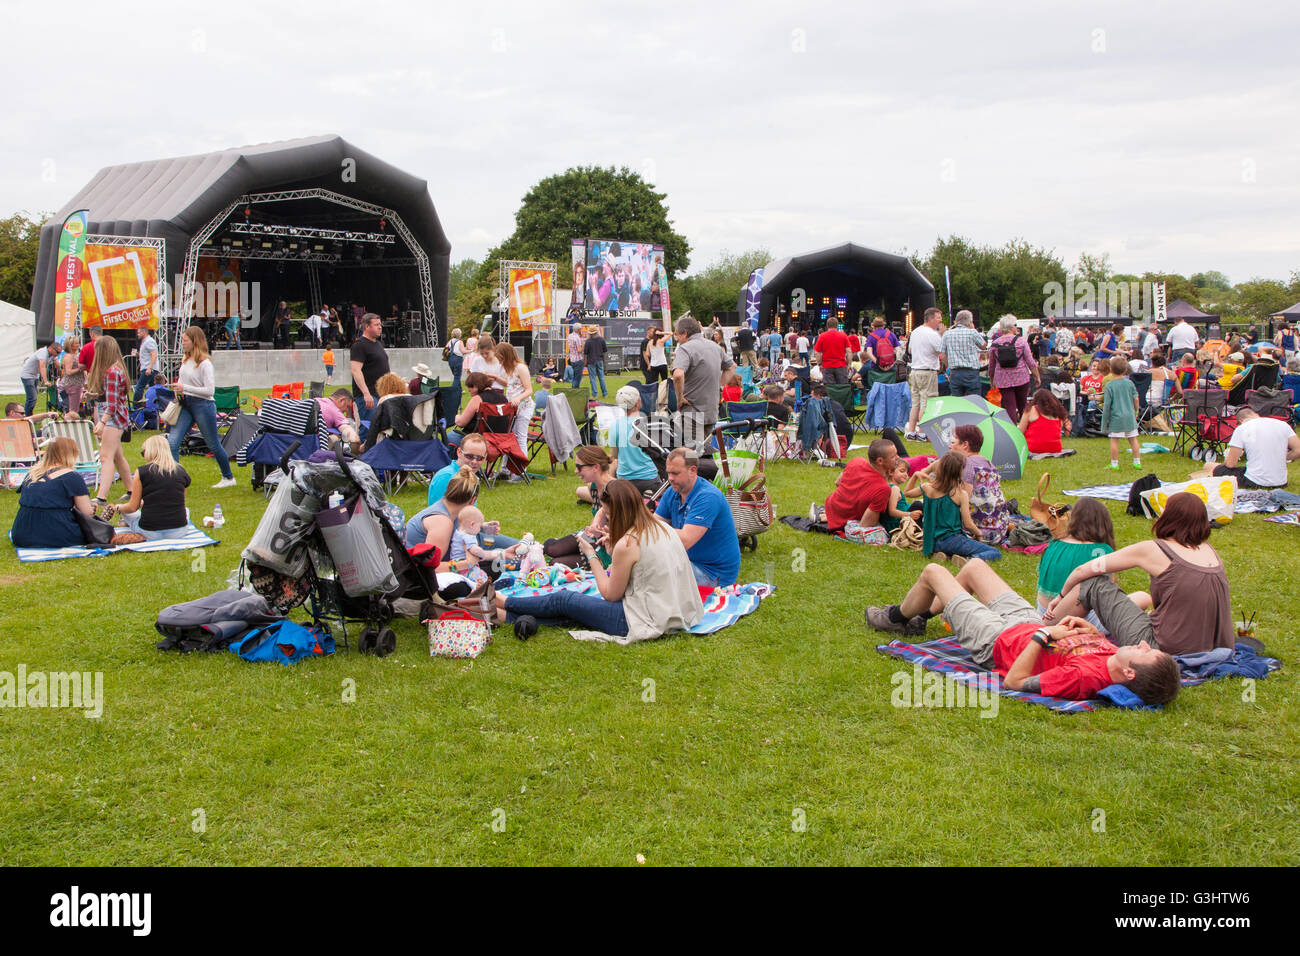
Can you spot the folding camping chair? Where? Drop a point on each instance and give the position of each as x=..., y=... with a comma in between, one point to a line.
x=17, y=451
x=156, y=399
x=82, y=433
x=1260, y=375
x=579, y=400
x=227, y=399
x=281, y=391
x=406, y=441
x=496, y=424
x=856, y=414
x=316, y=390
x=1272, y=403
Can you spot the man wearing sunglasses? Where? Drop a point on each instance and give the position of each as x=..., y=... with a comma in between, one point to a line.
x=471, y=453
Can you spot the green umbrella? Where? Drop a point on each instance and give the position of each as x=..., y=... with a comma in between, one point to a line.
x=1004, y=445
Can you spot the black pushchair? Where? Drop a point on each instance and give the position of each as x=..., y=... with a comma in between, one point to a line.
x=326, y=541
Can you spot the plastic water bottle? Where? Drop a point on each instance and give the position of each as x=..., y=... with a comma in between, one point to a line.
x=217, y=518
x=335, y=499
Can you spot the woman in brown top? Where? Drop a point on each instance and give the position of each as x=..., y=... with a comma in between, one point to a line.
x=1190, y=603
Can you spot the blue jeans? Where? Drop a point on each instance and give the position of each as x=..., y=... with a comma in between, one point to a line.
x=577, y=373
x=456, y=362
x=201, y=412
x=561, y=607
x=142, y=383
x=964, y=381
x=29, y=389
x=967, y=547
x=132, y=522
x=596, y=370
x=703, y=578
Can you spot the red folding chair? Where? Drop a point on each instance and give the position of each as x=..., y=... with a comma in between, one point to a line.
x=496, y=424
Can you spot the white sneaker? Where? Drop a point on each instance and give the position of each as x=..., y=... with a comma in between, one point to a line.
x=225, y=483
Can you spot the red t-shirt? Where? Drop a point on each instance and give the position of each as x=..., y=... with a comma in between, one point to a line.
x=731, y=393
x=861, y=487
x=855, y=343
x=832, y=344
x=1076, y=669
x=87, y=355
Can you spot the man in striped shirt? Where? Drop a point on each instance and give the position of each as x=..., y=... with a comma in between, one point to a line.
x=962, y=344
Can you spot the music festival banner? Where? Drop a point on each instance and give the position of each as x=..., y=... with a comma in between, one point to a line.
x=123, y=286
x=530, y=298
x=72, y=267
x=617, y=278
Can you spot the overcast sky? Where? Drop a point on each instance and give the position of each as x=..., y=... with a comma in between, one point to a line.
x=1165, y=134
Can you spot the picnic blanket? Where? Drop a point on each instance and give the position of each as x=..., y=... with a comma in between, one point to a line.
x=193, y=538
x=946, y=656
x=722, y=606
x=1290, y=518
x=1063, y=453
x=1248, y=501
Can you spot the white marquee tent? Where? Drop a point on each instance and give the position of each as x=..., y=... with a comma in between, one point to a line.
x=17, y=342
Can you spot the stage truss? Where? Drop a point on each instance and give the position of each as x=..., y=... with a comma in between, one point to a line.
x=502, y=303
x=421, y=259
x=169, y=330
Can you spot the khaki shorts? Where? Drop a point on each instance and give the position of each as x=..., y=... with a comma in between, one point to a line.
x=976, y=626
x=924, y=384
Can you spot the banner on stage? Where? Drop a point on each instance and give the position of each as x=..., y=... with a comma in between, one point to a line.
x=120, y=288
x=530, y=298
x=616, y=277
x=72, y=269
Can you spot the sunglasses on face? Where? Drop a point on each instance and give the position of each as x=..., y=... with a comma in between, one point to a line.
x=468, y=457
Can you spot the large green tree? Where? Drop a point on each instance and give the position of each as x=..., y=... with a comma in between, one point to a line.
x=717, y=286
x=20, y=238
x=582, y=202
x=992, y=281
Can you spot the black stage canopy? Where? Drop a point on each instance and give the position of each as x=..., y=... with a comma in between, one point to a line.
x=313, y=184
x=848, y=278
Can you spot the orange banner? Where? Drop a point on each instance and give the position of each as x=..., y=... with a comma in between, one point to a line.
x=530, y=299
x=120, y=287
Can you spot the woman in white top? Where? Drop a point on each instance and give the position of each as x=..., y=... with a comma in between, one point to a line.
x=196, y=385
x=647, y=590
x=519, y=392
x=485, y=360
x=656, y=357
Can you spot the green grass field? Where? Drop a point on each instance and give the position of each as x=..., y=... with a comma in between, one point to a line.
x=771, y=742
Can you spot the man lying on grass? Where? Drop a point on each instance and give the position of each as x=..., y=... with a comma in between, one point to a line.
x=1003, y=631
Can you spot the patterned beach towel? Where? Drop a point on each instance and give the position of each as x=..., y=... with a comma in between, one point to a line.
x=194, y=538
x=1248, y=501
x=722, y=606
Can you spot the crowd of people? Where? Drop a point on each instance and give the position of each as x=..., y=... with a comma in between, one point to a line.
x=650, y=564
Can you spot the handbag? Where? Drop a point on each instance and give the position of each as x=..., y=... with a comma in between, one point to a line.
x=751, y=505
x=1055, y=517
x=171, y=414
x=908, y=535
x=96, y=532
x=456, y=632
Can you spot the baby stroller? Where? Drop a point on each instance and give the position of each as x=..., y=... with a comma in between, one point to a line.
x=346, y=560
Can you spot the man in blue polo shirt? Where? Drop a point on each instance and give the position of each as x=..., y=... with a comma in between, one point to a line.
x=702, y=518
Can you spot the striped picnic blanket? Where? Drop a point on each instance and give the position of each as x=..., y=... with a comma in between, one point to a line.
x=194, y=538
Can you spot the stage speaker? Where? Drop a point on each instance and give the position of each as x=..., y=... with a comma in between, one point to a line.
x=416, y=338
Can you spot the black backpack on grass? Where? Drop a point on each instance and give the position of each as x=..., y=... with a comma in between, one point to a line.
x=1136, y=506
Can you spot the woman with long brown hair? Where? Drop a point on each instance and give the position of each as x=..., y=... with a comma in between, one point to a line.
x=196, y=388
x=519, y=390
x=109, y=380
x=1043, y=423
x=647, y=591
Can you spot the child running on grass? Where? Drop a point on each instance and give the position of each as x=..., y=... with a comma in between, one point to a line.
x=1119, y=412
x=945, y=512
